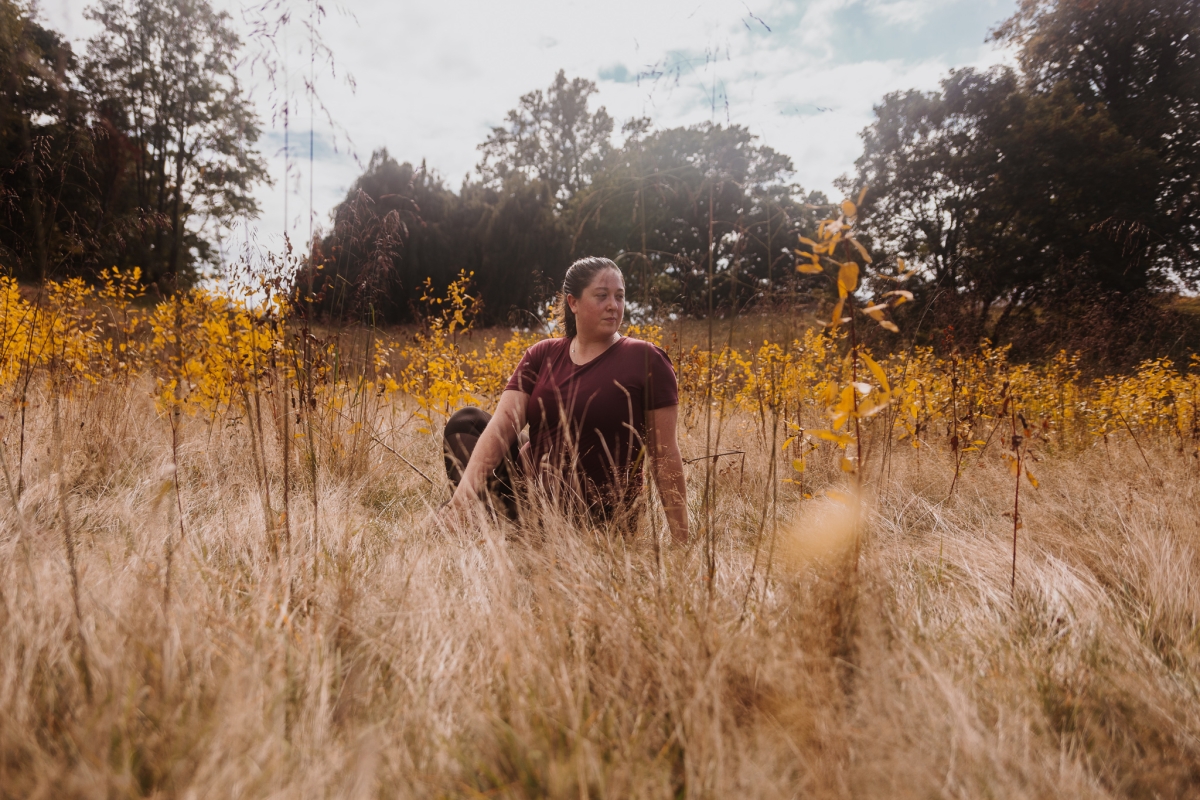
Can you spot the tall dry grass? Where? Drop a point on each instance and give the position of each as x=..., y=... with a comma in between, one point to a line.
x=386, y=656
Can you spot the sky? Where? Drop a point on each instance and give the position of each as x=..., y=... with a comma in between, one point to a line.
x=429, y=80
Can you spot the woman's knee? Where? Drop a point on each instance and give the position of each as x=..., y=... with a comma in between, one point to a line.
x=469, y=421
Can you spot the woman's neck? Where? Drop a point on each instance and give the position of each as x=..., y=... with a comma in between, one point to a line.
x=584, y=349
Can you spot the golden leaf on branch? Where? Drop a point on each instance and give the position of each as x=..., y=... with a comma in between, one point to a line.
x=836, y=318
x=849, y=209
x=877, y=371
x=847, y=277
x=840, y=439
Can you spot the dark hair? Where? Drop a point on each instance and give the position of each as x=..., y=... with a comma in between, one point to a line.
x=579, y=277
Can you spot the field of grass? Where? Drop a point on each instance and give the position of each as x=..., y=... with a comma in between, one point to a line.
x=372, y=652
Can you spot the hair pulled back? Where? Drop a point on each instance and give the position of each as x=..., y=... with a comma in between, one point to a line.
x=579, y=277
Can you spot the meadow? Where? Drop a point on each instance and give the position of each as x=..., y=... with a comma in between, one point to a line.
x=222, y=573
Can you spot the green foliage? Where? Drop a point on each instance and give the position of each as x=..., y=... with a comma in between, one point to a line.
x=46, y=202
x=1029, y=199
x=162, y=74
x=645, y=203
x=1139, y=61
x=650, y=209
x=552, y=137
x=134, y=156
x=400, y=225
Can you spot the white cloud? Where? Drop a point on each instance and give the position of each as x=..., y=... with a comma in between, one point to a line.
x=908, y=13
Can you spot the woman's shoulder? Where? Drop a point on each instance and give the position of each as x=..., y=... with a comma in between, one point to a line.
x=546, y=346
x=641, y=346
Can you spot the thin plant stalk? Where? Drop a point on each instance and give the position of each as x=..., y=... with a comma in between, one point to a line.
x=69, y=540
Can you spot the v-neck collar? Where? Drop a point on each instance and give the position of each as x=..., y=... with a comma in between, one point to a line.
x=607, y=350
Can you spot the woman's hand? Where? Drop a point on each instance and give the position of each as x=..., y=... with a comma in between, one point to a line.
x=466, y=497
x=667, y=465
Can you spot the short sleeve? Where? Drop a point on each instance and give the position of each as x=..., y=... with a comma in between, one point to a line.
x=525, y=376
x=662, y=388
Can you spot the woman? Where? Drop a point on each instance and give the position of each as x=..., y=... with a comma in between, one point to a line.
x=596, y=403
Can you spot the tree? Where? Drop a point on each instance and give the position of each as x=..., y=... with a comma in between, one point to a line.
x=162, y=73
x=1031, y=199
x=48, y=208
x=1139, y=61
x=550, y=136
x=1003, y=197
x=649, y=207
x=400, y=225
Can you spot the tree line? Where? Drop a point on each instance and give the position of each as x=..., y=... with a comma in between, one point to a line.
x=551, y=186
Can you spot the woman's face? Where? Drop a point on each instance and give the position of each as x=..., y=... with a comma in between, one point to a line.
x=600, y=309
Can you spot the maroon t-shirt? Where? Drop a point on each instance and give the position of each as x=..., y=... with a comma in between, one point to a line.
x=587, y=423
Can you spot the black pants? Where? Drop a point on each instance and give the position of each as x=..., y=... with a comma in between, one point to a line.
x=462, y=433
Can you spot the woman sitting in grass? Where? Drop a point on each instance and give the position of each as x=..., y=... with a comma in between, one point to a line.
x=597, y=404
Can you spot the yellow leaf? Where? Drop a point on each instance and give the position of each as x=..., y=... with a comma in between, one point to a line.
x=862, y=193
x=902, y=295
x=847, y=464
x=1032, y=480
x=837, y=313
x=840, y=439
x=787, y=442
x=809, y=268
x=862, y=251
x=888, y=325
x=848, y=277
x=877, y=371
x=798, y=464
x=875, y=312
x=848, y=208
x=871, y=408
x=900, y=265
x=846, y=400
x=809, y=242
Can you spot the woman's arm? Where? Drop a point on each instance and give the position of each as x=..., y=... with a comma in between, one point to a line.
x=667, y=465
x=492, y=446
